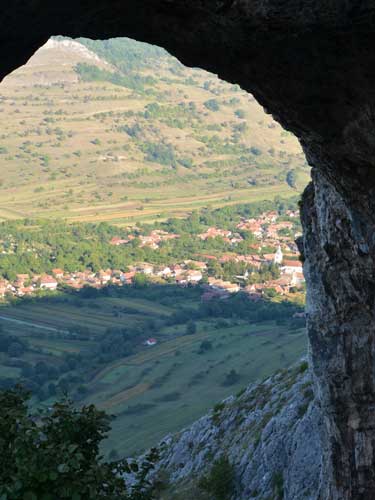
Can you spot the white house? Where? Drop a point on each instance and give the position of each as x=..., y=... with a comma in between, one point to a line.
x=291, y=266
x=297, y=279
x=194, y=276
x=146, y=268
x=151, y=342
x=164, y=272
x=47, y=282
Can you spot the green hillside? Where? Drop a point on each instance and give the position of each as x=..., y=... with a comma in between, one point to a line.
x=91, y=346
x=120, y=131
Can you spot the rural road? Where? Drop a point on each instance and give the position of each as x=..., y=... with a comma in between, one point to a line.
x=34, y=325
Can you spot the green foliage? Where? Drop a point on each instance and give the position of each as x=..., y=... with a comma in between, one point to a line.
x=125, y=54
x=291, y=178
x=240, y=113
x=140, y=281
x=231, y=378
x=55, y=455
x=255, y=151
x=278, y=485
x=304, y=366
x=191, y=328
x=212, y=105
x=159, y=153
x=205, y=346
x=219, y=482
x=91, y=73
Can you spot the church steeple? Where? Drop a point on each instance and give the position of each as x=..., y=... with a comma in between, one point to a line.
x=278, y=258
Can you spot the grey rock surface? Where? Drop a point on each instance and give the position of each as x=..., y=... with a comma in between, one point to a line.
x=270, y=434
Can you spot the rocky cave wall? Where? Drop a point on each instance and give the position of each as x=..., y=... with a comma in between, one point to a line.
x=311, y=64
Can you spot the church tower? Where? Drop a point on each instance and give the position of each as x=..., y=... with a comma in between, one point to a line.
x=278, y=258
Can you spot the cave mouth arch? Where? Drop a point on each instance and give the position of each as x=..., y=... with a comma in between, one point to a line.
x=311, y=65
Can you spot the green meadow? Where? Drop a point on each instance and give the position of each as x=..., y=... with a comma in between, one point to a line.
x=151, y=390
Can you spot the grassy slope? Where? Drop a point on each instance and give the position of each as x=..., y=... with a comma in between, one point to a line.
x=95, y=171
x=164, y=388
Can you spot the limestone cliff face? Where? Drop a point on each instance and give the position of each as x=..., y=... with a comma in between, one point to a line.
x=311, y=63
x=270, y=434
x=339, y=252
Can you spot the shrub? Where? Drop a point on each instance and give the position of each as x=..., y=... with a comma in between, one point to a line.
x=291, y=178
x=212, y=105
x=231, y=378
x=278, y=485
x=191, y=328
x=255, y=151
x=219, y=482
x=240, y=113
x=303, y=367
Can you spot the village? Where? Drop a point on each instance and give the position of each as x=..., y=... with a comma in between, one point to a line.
x=269, y=232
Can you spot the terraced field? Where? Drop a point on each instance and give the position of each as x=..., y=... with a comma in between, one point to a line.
x=173, y=140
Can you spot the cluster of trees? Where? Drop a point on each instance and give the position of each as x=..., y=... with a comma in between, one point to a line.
x=158, y=152
x=55, y=454
x=91, y=73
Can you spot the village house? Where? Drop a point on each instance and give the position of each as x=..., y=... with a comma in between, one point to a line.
x=160, y=235
x=284, y=282
x=291, y=266
x=252, y=225
x=292, y=213
x=181, y=280
x=213, y=232
x=116, y=241
x=298, y=279
x=148, y=241
x=193, y=276
x=58, y=273
x=164, y=272
x=47, y=282
x=29, y=290
x=253, y=260
x=218, y=284
x=145, y=268
x=269, y=258
x=177, y=270
x=104, y=276
x=196, y=264
x=273, y=229
x=128, y=277
x=235, y=239
x=228, y=257
x=269, y=217
x=151, y=342
x=3, y=287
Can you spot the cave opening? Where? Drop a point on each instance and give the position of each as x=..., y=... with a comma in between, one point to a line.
x=310, y=66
